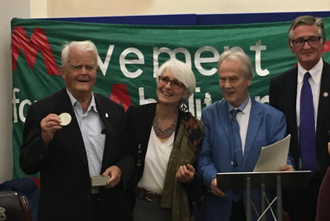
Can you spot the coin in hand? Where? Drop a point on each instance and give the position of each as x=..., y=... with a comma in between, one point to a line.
x=65, y=119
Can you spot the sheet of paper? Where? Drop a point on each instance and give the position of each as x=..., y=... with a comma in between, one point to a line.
x=273, y=156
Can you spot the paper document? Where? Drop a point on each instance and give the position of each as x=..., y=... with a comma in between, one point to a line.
x=273, y=156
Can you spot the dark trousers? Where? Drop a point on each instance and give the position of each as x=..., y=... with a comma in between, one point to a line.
x=150, y=211
x=97, y=213
x=238, y=211
x=301, y=203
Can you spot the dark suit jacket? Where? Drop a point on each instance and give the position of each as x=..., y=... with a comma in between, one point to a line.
x=282, y=95
x=64, y=176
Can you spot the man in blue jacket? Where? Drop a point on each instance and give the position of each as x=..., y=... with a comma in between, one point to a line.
x=236, y=128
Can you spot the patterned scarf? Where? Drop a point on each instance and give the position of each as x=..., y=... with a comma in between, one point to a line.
x=185, y=149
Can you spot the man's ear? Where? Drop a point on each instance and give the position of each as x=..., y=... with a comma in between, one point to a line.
x=291, y=46
x=62, y=72
x=249, y=82
x=324, y=41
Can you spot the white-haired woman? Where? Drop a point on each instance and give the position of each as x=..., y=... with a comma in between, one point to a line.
x=164, y=141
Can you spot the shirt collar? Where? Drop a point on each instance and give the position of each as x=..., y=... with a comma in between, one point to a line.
x=242, y=106
x=92, y=105
x=315, y=72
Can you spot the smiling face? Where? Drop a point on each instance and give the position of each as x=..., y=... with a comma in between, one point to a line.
x=166, y=93
x=79, y=72
x=233, y=82
x=308, y=54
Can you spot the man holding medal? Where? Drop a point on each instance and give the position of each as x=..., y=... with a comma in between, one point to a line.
x=76, y=138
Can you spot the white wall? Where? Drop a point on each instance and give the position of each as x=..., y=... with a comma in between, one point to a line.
x=8, y=10
x=38, y=8
x=77, y=8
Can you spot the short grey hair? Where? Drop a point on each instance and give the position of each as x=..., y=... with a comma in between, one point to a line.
x=180, y=71
x=238, y=56
x=307, y=20
x=81, y=45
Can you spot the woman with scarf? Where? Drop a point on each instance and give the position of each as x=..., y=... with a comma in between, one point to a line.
x=165, y=139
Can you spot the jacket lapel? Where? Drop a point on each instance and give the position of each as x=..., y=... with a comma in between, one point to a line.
x=324, y=97
x=223, y=113
x=106, y=115
x=291, y=97
x=255, y=119
x=72, y=129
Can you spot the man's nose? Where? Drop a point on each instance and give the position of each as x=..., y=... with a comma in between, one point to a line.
x=306, y=45
x=83, y=70
x=227, y=84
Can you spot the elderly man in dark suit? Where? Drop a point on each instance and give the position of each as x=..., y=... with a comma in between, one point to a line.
x=302, y=94
x=89, y=139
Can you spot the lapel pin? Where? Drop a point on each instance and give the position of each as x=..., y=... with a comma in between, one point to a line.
x=106, y=115
x=325, y=94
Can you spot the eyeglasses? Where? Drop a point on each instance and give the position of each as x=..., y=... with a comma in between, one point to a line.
x=175, y=83
x=312, y=41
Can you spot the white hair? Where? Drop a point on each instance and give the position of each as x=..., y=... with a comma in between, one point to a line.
x=180, y=71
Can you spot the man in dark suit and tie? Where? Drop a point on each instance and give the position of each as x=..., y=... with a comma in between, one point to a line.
x=72, y=135
x=302, y=94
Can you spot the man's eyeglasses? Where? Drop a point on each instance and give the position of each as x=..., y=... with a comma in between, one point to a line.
x=312, y=41
x=175, y=83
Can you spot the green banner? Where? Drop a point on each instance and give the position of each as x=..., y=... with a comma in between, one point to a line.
x=130, y=56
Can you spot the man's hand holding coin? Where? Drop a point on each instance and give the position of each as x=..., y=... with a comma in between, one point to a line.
x=51, y=123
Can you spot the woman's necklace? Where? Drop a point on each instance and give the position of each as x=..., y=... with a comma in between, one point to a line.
x=164, y=133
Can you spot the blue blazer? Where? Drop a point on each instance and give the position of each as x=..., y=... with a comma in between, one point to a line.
x=266, y=126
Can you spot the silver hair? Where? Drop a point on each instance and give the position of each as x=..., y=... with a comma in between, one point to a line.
x=307, y=20
x=81, y=45
x=238, y=56
x=180, y=71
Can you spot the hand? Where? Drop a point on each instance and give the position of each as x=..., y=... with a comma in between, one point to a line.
x=49, y=125
x=285, y=168
x=215, y=190
x=115, y=176
x=185, y=173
